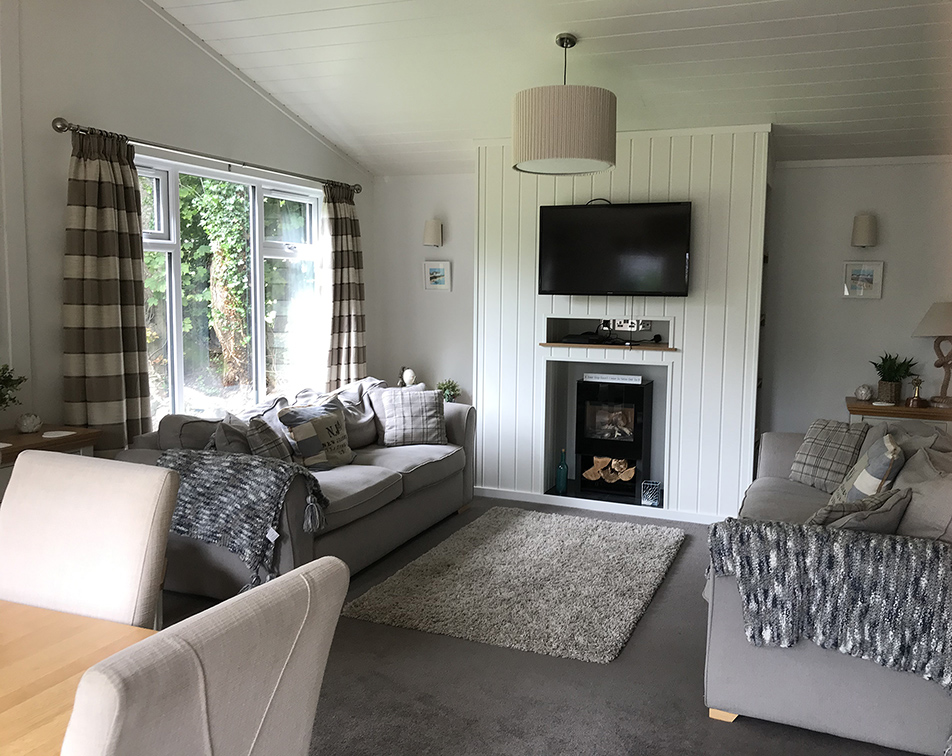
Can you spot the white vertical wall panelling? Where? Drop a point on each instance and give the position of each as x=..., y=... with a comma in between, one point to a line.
x=735, y=323
x=691, y=341
x=527, y=413
x=711, y=380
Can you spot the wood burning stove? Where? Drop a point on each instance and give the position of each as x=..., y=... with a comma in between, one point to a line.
x=612, y=440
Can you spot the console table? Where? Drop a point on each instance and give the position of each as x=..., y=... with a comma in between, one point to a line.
x=860, y=411
x=79, y=441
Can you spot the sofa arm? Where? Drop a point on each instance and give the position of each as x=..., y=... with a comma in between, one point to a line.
x=461, y=430
x=777, y=451
x=146, y=441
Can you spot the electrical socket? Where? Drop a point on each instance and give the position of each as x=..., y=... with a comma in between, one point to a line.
x=644, y=325
x=631, y=325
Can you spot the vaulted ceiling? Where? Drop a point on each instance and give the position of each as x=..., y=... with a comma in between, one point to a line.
x=405, y=86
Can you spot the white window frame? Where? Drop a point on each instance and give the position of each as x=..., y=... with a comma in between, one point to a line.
x=156, y=163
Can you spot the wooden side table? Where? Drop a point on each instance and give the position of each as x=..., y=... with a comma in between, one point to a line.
x=79, y=441
x=860, y=411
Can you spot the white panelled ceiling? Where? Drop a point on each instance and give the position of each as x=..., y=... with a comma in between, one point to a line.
x=405, y=86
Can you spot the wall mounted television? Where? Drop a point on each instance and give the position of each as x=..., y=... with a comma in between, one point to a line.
x=639, y=249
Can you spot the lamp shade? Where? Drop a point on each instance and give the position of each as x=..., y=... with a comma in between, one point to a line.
x=563, y=130
x=865, y=230
x=937, y=322
x=433, y=234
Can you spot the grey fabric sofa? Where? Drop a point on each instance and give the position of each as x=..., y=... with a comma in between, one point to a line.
x=381, y=500
x=808, y=686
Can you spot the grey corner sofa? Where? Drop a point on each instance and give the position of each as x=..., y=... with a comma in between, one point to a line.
x=385, y=497
x=806, y=685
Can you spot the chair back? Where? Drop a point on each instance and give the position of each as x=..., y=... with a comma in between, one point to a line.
x=240, y=678
x=85, y=535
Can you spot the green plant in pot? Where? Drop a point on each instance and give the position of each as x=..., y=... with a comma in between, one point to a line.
x=892, y=372
x=9, y=385
x=449, y=388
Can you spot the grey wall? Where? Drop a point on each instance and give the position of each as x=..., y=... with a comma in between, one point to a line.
x=817, y=345
x=117, y=65
x=431, y=331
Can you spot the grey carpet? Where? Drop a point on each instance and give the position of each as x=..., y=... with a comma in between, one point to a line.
x=389, y=690
x=554, y=584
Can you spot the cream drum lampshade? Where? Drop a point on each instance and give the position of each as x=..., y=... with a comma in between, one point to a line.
x=563, y=130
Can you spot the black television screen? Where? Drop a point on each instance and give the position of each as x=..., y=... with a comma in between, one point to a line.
x=633, y=249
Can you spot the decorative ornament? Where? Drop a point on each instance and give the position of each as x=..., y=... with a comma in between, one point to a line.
x=864, y=393
x=29, y=423
x=408, y=377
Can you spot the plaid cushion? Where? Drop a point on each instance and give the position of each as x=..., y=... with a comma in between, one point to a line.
x=828, y=451
x=879, y=513
x=265, y=442
x=413, y=417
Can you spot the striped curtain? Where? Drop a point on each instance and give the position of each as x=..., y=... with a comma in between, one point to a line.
x=106, y=366
x=348, y=353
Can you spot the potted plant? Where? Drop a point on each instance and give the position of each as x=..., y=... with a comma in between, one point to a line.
x=9, y=385
x=449, y=388
x=892, y=372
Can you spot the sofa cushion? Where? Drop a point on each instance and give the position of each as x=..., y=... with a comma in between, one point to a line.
x=877, y=513
x=320, y=434
x=264, y=441
x=380, y=411
x=929, y=515
x=358, y=409
x=185, y=432
x=420, y=465
x=779, y=499
x=828, y=452
x=413, y=417
x=355, y=491
x=875, y=471
x=231, y=436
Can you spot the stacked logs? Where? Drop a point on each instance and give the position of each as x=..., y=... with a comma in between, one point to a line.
x=610, y=470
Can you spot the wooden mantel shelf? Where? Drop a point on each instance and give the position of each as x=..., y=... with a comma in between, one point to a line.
x=631, y=348
x=868, y=409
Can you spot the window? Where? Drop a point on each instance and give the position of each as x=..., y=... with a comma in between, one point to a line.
x=237, y=288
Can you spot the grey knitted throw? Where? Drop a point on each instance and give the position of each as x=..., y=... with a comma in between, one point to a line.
x=234, y=501
x=885, y=598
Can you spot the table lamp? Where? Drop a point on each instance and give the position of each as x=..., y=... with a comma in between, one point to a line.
x=938, y=323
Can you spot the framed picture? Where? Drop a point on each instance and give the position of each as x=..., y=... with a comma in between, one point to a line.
x=436, y=275
x=863, y=279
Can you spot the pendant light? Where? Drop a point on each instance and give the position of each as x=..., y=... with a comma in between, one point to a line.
x=563, y=130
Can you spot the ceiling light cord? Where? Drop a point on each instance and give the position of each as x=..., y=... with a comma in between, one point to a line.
x=565, y=65
x=565, y=41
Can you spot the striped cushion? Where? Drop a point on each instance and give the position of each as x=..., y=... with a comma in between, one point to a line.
x=320, y=433
x=828, y=452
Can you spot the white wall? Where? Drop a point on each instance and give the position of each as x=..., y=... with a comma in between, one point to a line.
x=431, y=331
x=116, y=65
x=712, y=375
x=817, y=345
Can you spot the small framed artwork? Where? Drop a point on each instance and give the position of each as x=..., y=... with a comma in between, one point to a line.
x=863, y=279
x=436, y=275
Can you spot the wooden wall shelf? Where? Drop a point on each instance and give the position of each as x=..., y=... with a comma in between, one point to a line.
x=868, y=409
x=633, y=347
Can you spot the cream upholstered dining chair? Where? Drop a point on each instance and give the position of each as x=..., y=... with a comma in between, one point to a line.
x=240, y=678
x=86, y=535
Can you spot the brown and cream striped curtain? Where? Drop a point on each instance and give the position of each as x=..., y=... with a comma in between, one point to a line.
x=106, y=366
x=348, y=354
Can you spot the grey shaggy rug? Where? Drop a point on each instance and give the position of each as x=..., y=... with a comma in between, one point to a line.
x=549, y=583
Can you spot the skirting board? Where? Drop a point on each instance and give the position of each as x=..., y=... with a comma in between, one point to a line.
x=598, y=506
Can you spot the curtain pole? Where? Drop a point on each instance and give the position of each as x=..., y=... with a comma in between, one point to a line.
x=61, y=125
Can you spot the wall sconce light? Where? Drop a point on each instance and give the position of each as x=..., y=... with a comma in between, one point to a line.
x=433, y=234
x=865, y=230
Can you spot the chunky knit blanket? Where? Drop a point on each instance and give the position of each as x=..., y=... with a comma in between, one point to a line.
x=234, y=501
x=884, y=598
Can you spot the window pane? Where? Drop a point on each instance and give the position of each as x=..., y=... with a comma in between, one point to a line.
x=157, y=331
x=216, y=295
x=149, y=188
x=297, y=325
x=285, y=220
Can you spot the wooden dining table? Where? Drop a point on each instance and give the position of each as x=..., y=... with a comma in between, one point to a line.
x=43, y=654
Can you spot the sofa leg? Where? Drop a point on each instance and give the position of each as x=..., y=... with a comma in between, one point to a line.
x=723, y=716
x=462, y=509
